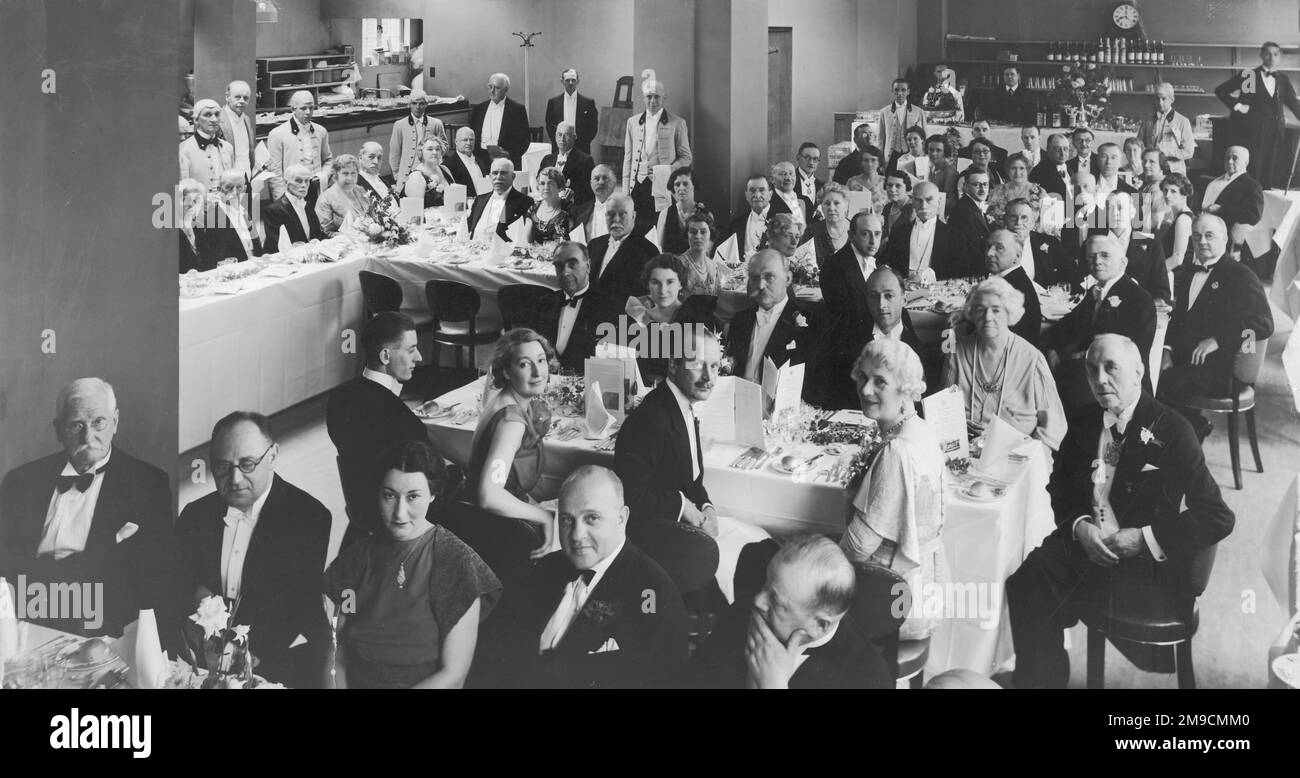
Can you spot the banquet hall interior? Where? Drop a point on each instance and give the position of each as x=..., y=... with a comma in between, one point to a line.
x=747, y=95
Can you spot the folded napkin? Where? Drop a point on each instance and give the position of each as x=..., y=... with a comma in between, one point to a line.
x=142, y=651
x=598, y=419
x=1003, y=457
x=412, y=209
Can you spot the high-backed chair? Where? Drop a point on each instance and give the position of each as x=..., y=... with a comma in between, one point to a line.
x=1239, y=399
x=456, y=320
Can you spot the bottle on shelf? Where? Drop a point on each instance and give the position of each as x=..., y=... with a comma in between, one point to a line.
x=1051, y=51
x=1160, y=53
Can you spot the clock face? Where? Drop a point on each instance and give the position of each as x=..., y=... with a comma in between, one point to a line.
x=1125, y=16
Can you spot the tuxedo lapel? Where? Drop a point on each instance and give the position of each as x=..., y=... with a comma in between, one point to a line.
x=476, y=212
x=591, y=626
x=1132, y=458
x=108, y=518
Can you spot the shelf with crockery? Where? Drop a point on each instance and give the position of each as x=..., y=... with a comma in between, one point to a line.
x=355, y=114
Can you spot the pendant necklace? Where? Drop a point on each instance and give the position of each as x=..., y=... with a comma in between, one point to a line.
x=993, y=385
x=401, y=566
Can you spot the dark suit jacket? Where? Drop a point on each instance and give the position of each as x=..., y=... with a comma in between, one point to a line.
x=514, y=137
x=1241, y=202
x=970, y=230
x=1016, y=108
x=848, y=661
x=844, y=291
x=849, y=167
x=517, y=205
x=1266, y=114
x=1231, y=302
x=459, y=173
x=652, y=455
x=1146, y=264
x=577, y=169
x=219, y=240
x=364, y=184
x=1046, y=175
x=279, y=595
x=192, y=253
x=739, y=227
x=945, y=258
x=280, y=213
x=1053, y=264
x=652, y=641
x=1094, y=164
x=786, y=332
x=362, y=419
x=136, y=573
x=593, y=310
x=586, y=121
x=1127, y=309
x=781, y=206
x=1146, y=498
x=622, y=278
x=905, y=216
x=799, y=179
x=1031, y=323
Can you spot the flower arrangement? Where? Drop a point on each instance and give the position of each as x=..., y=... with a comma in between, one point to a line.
x=227, y=660
x=382, y=222
x=939, y=98
x=804, y=270
x=1082, y=90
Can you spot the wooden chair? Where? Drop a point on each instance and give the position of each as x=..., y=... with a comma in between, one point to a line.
x=456, y=321
x=517, y=303
x=1240, y=399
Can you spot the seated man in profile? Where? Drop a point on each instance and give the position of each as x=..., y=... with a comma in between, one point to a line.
x=602, y=613
x=1122, y=539
x=797, y=633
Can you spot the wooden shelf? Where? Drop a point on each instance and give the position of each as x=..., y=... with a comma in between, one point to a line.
x=304, y=70
x=1103, y=64
x=952, y=38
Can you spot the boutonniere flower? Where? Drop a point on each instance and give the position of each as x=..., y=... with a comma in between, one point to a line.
x=1148, y=437
x=599, y=611
x=1214, y=285
x=1043, y=247
x=800, y=320
x=1114, y=301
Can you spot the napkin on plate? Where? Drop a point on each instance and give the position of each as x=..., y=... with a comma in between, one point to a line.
x=598, y=419
x=1002, y=457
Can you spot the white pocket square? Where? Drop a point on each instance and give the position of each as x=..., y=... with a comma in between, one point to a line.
x=609, y=645
x=128, y=529
x=298, y=641
x=1148, y=468
x=791, y=346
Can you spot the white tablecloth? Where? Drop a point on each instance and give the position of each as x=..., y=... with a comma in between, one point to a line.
x=274, y=344
x=984, y=542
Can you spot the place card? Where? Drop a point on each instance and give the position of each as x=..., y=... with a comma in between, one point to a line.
x=783, y=385
x=733, y=412
x=454, y=200
x=945, y=412
x=850, y=416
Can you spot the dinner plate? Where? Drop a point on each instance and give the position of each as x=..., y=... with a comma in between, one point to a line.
x=432, y=410
x=965, y=491
x=776, y=465
x=1287, y=668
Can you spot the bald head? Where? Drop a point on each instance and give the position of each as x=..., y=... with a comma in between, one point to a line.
x=238, y=93
x=1209, y=238
x=768, y=278
x=592, y=516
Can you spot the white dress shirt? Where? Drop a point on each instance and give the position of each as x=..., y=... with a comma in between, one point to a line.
x=475, y=175
x=808, y=186
x=377, y=183
x=571, y=108
x=572, y=601
x=69, y=515
x=384, y=380
x=895, y=333
x=235, y=218
x=649, y=147
x=598, y=225
x=234, y=544
x=1198, y=283
x=569, y=316
x=1216, y=187
x=921, y=246
x=300, y=208
x=492, y=124
x=791, y=199
x=1270, y=82
x=764, y=324
x=1027, y=255
x=755, y=229
x=866, y=264
x=492, y=213
x=1101, y=490
x=243, y=156
x=610, y=251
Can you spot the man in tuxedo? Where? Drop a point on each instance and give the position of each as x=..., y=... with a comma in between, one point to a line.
x=500, y=124
x=1257, y=120
x=927, y=243
x=1044, y=259
x=1146, y=257
x=1116, y=303
x=1053, y=173
x=1082, y=140
x=1002, y=258
x=260, y=542
x=603, y=614
x=575, y=108
x=1169, y=131
x=1235, y=196
x=1122, y=543
x=299, y=141
x=807, y=184
x=1109, y=160
x=980, y=132
x=570, y=315
x=654, y=137
x=409, y=134
x=895, y=119
x=500, y=207
x=777, y=327
x=1029, y=145
x=91, y=517
x=1009, y=104
x=1220, y=308
x=851, y=165
x=969, y=225
x=237, y=126
x=619, y=256
x=591, y=214
x=787, y=199
x=750, y=227
x=1088, y=212
x=897, y=212
x=797, y=633
x=291, y=212
x=463, y=165
x=228, y=231
x=366, y=415
x=574, y=164
x=369, y=161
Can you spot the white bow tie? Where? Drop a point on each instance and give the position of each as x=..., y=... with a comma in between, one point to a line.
x=1111, y=420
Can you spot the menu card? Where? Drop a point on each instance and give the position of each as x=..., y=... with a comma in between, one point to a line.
x=945, y=412
x=412, y=209
x=454, y=199
x=619, y=379
x=859, y=201
x=733, y=412
x=783, y=385
x=1005, y=453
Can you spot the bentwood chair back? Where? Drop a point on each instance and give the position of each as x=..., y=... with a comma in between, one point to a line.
x=1240, y=399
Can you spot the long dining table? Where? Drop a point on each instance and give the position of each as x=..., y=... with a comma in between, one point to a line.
x=984, y=540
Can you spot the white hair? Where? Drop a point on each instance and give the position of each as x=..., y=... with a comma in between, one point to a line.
x=559, y=128
x=502, y=77
x=1165, y=88
x=510, y=165
x=369, y=144
x=621, y=198
x=233, y=84
x=297, y=170
x=204, y=104
x=84, y=386
x=1127, y=346
x=1012, y=298
x=296, y=97
x=899, y=360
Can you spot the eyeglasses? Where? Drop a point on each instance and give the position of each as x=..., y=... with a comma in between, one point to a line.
x=222, y=468
x=77, y=427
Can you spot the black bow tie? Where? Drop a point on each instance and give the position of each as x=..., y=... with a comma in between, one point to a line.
x=82, y=482
x=203, y=144
x=585, y=575
x=573, y=301
x=1199, y=268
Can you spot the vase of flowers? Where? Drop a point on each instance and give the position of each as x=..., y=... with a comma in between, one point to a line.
x=383, y=223
x=1082, y=91
x=223, y=646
